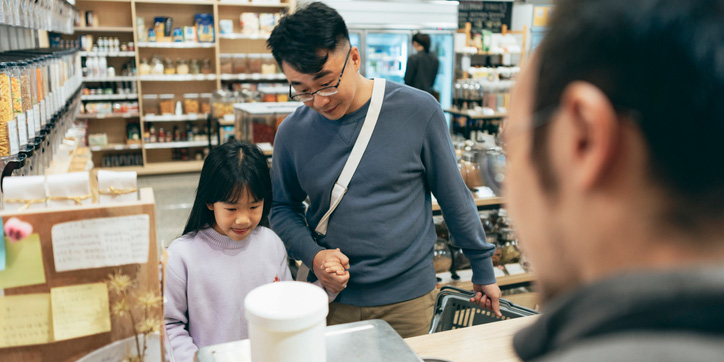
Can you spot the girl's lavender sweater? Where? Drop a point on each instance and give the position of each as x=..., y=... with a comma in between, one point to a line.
x=207, y=277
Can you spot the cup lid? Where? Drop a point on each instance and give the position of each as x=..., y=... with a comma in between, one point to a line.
x=286, y=306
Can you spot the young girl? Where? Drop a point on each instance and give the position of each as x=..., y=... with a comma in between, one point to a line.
x=224, y=252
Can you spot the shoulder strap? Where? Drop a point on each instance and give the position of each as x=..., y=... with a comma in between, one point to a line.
x=340, y=187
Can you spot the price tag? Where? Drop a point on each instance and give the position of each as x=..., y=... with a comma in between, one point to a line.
x=498, y=272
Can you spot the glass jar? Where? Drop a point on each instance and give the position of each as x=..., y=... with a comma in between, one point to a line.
x=7, y=116
x=268, y=64
x=27, y=101
x=191, y=103
x=206, y=66
x=168, y=66
x=471, y=170
x=150, y=104
x=166, y=104
x=240, y=64
x=157, y=67
x=194, y=67
x=255, y=62
x=144, y=68
x=441, y=256
x=182, y=67
x=205, y=100
x=225, y=62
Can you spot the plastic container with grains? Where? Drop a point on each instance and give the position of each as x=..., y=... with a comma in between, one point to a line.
x=191, y=103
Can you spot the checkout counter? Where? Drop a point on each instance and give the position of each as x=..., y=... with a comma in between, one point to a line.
x=376, y=341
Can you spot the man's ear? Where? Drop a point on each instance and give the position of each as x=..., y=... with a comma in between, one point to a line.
x=593, y=136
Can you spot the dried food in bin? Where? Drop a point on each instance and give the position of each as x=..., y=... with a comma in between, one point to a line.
x=262, y=133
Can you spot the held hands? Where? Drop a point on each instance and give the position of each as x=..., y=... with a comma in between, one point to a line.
x=488, y=297
x=331, y=266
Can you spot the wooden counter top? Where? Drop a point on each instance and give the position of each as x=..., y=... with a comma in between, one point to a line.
x=485, y=342
x=488, y=201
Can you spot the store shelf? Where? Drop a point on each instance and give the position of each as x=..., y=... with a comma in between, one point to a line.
x=105, y=29
x=490, y=201
x=475, y=115
x=108, y=115
x=502, y=281
x=108, y=54
x=174, y=118
x=278, y=76
x=121, y=78
x=115, y=147
x=161, y=168
x=253, y=4
x=243, y=36
x=177, y=2
x=176, y=45
x=180, y=144
x=177, y=77
x=108, y=97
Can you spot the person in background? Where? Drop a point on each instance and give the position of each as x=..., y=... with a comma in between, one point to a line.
x=382, y=229
x=223, y=254
x=616, y=185
x=422, y=66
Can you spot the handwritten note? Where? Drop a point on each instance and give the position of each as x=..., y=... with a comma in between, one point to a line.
x=25, y=320
x=102, y=242
x=23, y=264
x=80, y=310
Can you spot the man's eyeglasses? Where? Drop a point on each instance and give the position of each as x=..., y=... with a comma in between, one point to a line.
x=537, y=119
x=325, y=92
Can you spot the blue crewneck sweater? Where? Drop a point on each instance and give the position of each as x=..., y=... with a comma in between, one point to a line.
x=384, y=222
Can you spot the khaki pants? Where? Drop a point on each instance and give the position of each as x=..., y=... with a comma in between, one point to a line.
x=410, y=318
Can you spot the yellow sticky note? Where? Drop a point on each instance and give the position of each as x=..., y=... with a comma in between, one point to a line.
x=25, y=320
x=80, y=310
x=24, y=263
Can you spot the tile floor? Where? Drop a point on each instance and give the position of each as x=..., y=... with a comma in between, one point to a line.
x=174, y=197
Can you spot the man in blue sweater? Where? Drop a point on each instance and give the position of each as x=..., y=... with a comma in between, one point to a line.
x=382, y=230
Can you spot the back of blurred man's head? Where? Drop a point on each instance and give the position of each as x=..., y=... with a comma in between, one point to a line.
x=623, y=104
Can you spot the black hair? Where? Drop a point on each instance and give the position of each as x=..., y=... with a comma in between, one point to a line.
x=661, y=64
x=229, y=171
x=305, y=38
x=422, y=39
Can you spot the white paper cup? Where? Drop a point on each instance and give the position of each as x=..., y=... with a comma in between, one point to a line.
x=286, y=322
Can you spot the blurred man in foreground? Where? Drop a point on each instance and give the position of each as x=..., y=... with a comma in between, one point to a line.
x=616, y=181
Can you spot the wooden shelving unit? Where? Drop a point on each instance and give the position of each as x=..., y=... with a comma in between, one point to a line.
x=104, y=29
x=117, y=18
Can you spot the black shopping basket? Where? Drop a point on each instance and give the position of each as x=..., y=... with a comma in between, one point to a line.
x=454, y=310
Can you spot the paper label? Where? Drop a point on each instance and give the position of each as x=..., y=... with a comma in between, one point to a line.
x=514, y=269
x=43, y=120
x=25, y=320
x=80, y=310
x=22, y=129
x=498, y=272
x=31, y=124
x=96, y=243
x=36, y=118
x=13, y=137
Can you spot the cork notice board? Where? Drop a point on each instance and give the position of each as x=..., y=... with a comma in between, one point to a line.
x=67, y=288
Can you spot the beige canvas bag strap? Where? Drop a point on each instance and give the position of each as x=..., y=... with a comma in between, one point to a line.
x=340, y=187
